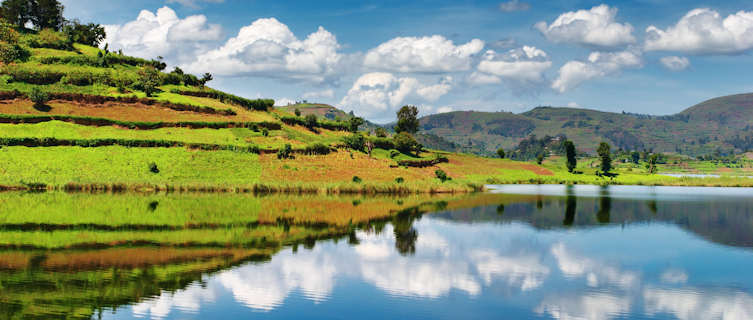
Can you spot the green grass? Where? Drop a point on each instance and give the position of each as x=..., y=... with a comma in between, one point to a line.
x=178, y=166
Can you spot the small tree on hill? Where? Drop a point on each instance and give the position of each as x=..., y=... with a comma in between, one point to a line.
x=354, y=123
x=652, y=160
x=605, y=157
x=90, y=34
x=47, y=14
x=149, y=79
x=297, y=112
x=16, y=12
x=380, y=132
x=204, y=79
x=501, y=153
x=407, y=120
x=311, y=121
x=405, y=143
x=572, y=162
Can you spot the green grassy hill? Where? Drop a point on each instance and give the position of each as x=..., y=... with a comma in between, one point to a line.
x=720, y=124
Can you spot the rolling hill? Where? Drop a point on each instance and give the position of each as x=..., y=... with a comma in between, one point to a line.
x=717, y=125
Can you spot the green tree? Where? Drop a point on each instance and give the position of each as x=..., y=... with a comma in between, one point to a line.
x=380, y=132
x=47, y=14
x=405, y=143
x=501, y=153
x=149, y=80
x=605, y=157
x=652, y=160
x=90, y=34
x=354, y=123
x=204, y=79
x=297, y=112
x=572, y=162
x=16, y=12
x=407, y=120
x=635, y=156
x=540, y=158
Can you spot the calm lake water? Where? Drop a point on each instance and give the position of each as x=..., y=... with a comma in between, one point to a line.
x=517, y=252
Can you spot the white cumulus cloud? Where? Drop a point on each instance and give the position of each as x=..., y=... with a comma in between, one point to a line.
x=592, y=28
x=425, y=54
x=163, y=34
x=599, y=64
x=675, y=63
x=524, y=66
x=268, y=48
x=380, y=93
x=703, y=31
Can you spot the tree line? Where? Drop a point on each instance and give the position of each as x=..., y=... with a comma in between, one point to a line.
x=48, y=14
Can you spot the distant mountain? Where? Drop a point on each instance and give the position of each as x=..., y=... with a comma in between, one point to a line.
x=717, y=125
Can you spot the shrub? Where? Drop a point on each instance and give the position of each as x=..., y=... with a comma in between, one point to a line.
x=357, y=179
x=355, y=141
x=286, y=152
x=153, y=168
x=149, y=79
x=380, y=132
x=399, y=180
x=265, y=132
x=501, y=153
x=405, y=143
x=354, y=123
x=394, y=153
x=8, y=33
x=39, y=97
x=13, y=52
x=317, y=149
x=48, y=38
x=441, y=175
x=311, y=121
x=297, y=112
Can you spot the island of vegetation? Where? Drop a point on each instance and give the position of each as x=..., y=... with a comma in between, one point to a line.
x=75, y=115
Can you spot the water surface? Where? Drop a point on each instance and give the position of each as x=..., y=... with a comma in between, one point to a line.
x=548, y=252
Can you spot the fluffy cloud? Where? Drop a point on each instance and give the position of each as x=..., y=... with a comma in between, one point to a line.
x=703, y=31
x=599, y=64
x=163, y=34
x=524, y=66
x=592, y=28
x=425, y=54
x=514, y=5
x=379, y=93
x=675, y=63
x=267, y=47
x=691, y=304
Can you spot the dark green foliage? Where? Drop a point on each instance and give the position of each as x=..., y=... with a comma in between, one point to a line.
x=317, y=149
x=354, y=123
x=297, y=112
x=93, y=143
x=39, y=97
x=501, y=153
x=357, y=179
x=265, y=132
x=16, y=12
x=394, y=153
x=258, y=104
x=355, y=141
x=652, y=161
x=286, y=152
x=310, y=121
x=441, y=175
x=90, y=34
x=382, y=143
x=530, y=148
x=10, y=52
x=405, y=143
x=110, y=60
x=423, y=163
x=153, y=168
x=149, y=80
x=407, y=120
x=540, y=158
x=605, y=157
x=47, y=14
x=572, y=162
x=399, y=180
x=635, y=157
x=204, y=79
x=380, y=132
x=91, y=121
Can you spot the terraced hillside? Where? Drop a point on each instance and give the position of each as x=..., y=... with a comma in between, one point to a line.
x=719, y=125
x=78, y=117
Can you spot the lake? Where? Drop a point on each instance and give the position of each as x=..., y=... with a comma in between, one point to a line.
x=520, y=252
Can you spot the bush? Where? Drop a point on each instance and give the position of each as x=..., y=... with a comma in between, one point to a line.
x=265, y=132
x=380, y=132
x=355, y=141
x=357, y=179
x=258, y=104
x=311, y=121
x=153, y=168
x=399, y=180
x=8, y=33
x=13, y=52
x=39, y=97
x=394, y=153
x=285, y=152
x=501, y=153
x=149, y=80
x=317, y=149
x=441, y=175
x=52, y=39
x=405, y=143
x=297, y=112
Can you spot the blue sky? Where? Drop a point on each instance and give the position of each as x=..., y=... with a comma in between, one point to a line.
x=656, y=57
